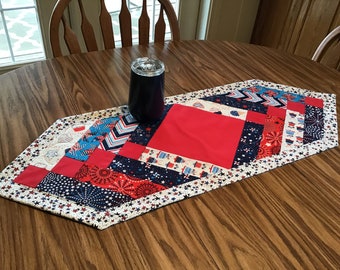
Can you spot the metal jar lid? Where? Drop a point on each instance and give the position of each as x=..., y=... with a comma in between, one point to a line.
x=147, y=67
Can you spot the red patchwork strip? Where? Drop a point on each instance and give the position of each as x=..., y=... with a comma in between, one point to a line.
x=67, y=166
x=256, y=117
x=131, y=150
x=31, y=176
x=274, y=111
x=272, y=136
x=116, y=181
x=101, y=158
x=316, y=102
x=296, y=106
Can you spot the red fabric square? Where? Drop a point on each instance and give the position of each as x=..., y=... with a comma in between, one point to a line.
x=67, y=167
x=101, y=158
x=276, y=111
x=31, y=176
x=256, y=117
x=316, y=102
x=296, y=106
x=131, y=150
x=198, y=134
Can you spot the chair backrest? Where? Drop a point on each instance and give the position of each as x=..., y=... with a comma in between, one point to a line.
x=60, y=26
x=328, y=52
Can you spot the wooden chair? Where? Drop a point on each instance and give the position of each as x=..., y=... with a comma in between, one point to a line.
x=328, y=52
x=60, y=26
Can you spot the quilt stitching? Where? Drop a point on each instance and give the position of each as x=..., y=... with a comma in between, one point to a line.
x=110, y=183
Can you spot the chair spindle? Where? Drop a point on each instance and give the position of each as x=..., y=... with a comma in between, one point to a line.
x=70, y=37
x=125, y=25
x=106, y=26
x=160, y=27
x=87, y=30
x=144, y=25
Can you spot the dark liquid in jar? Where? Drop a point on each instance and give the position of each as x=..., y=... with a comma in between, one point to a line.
x=146, y=97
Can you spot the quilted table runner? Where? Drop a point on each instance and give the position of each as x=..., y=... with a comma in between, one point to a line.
x=102, y=168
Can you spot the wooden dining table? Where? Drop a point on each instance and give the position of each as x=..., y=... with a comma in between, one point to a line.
x=287, y=218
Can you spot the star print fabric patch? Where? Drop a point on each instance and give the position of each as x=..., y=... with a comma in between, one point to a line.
x=82, y=193
x=103, y=167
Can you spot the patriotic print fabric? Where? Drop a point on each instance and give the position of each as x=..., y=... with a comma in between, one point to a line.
x=103, y=168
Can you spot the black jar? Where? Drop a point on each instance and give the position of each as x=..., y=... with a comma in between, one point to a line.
x=146, y=96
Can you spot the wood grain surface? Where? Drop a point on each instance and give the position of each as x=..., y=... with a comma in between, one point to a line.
x=295, y=26
x=288, y=218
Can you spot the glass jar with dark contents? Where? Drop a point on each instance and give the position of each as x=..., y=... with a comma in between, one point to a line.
x=146, y=96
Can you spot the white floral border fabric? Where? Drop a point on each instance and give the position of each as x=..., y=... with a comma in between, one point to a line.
x=102, y=168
